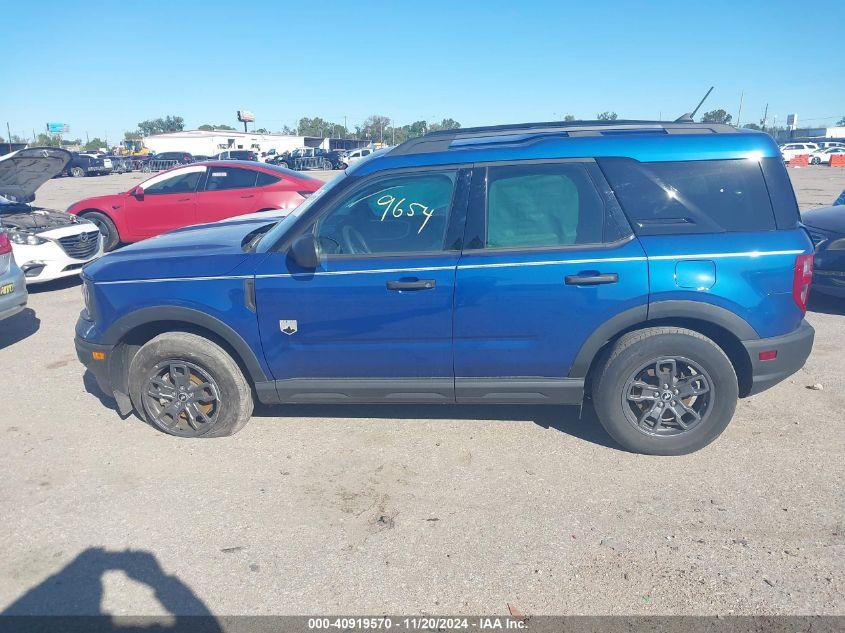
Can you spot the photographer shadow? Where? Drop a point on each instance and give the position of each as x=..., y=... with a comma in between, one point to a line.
x=71, y=600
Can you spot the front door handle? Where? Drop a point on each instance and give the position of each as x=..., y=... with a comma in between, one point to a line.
x=252, y=195
x=592, y=280
x=184, y=199
x=416, y=284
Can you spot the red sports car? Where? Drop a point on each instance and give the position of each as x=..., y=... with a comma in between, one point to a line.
x=194, y=194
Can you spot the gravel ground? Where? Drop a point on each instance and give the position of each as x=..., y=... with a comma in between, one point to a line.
x=411, y=509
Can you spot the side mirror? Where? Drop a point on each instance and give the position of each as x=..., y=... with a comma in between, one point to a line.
x=138, y=193
x=305, y=251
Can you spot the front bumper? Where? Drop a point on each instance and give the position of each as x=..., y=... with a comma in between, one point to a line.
x=792, y=352
x=48, y=261
x=105, y=364
x=87, y=353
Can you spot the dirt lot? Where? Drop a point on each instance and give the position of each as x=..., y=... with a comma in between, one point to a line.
x=411, y=509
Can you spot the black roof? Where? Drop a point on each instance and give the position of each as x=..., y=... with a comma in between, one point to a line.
x=442, y=139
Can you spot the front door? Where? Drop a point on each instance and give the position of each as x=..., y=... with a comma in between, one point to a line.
x=169, y=201
x=550, y=259
x=374, y=322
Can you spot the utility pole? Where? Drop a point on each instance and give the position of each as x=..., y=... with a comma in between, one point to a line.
x=739, y=114
x=765, y=116
x=9, y=136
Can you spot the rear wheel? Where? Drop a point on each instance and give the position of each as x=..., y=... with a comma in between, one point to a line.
x=108, y=230
x=186, y=385
x=665, y=391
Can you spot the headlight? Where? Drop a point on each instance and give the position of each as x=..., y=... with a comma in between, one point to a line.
x=88, y=299
x=22, y=237
x=837, y=245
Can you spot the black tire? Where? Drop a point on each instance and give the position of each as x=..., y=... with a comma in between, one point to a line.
x=226, y=403
x=619, y=401
x=77, y=172
x=111, y=238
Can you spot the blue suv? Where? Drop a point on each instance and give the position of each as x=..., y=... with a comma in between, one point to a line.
x=658, y=269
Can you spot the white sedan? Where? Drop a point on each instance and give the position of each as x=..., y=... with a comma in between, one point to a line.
x=47, y=244
x=822, y=157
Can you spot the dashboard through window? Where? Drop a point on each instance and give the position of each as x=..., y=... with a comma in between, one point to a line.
x=183, y=181
x=399, y=214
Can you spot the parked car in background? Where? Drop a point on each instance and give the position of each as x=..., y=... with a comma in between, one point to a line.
x=86, y=165
x=12, y=283
x=236, y=154
x=198, y=158
x=791, y=150
x=469, y=267
x=357, y=154
x=47, y=244
x=822, y=156
x=826, y=226
x=182, y=158
x=192, y=194
x=107, y=161
x=120, y=164
x=827, y=144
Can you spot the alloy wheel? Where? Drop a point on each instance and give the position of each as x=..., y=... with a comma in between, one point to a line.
x=182, y=398
x=668, y=396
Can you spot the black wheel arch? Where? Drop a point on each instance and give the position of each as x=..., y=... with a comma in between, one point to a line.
x=131, y=331
x=722, y=326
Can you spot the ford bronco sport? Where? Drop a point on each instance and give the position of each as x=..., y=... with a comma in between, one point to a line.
x=658, y=269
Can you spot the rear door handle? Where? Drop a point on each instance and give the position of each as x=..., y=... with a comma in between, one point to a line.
x=417, y=284
x=252, y=195
x=592, y=280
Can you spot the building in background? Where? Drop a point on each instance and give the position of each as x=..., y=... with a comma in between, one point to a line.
x=211, y=142
x=836, y=133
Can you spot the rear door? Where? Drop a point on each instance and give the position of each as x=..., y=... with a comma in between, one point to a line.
x=228, y=191
x=549, y=259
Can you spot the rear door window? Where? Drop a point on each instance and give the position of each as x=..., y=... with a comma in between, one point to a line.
x=705, y=196
x=542, y=205
x=220, y=178
x=265, y=179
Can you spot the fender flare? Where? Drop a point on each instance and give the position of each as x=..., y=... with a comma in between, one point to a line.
x=698, y=310
x=115, y=333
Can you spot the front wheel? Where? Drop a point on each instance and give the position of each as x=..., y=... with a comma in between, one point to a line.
x=77, y=172
x=108, y=230
x=665, y=391
x=187, y=385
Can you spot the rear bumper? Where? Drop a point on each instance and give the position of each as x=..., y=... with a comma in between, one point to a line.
x=792, y=352
x=16, y=301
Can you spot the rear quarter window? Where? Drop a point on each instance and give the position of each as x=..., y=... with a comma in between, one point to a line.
x=707, y=196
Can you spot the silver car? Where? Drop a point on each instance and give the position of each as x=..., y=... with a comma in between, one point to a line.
x=12, y=282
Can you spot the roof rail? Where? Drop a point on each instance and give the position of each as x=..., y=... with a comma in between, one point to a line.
x=442, y=140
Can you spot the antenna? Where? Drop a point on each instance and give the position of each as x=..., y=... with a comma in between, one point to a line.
x=688, y=117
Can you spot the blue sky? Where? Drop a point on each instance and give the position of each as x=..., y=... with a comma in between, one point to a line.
x=103, y=66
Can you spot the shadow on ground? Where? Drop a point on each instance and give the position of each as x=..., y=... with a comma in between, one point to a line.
x=571, y=420
x=56, y=284
x=67, y=600
x=18, y=327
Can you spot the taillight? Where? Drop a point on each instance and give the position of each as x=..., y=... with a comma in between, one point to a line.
x=304, y=194
x=5, y=244
x=802, y=277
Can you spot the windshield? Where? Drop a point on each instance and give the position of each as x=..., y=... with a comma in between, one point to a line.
x=273, y=236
